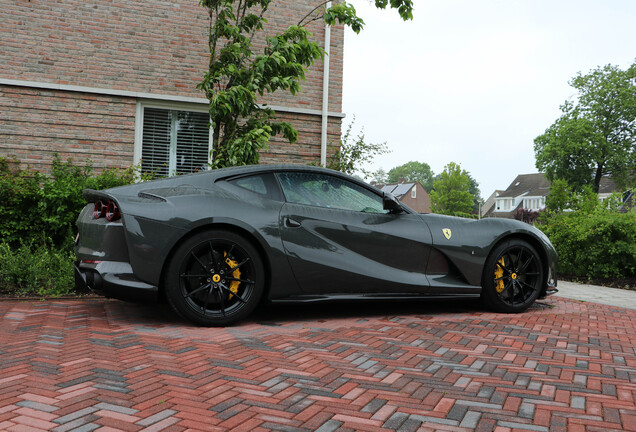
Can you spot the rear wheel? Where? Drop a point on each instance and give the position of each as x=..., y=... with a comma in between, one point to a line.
x=215, y=278
x=513, y=277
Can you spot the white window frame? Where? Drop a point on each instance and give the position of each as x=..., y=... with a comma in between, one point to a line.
x=171, y=106
x=414, y=192
x=534, y=203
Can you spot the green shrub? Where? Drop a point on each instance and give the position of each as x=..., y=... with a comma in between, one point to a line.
x=20, y=195
x=35, y=206
x=35, y=270
x=596, y=244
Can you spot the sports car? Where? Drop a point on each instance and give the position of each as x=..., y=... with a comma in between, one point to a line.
x=217, y=243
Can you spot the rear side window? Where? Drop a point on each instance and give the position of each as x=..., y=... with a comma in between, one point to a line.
x=255, y=184
x=264, y=185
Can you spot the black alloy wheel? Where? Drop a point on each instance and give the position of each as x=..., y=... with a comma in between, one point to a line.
x=513, y=277
x=215, y=278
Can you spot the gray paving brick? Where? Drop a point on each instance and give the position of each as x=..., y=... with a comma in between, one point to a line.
x=37, y=406
x=329, y=426
x=116, y=408
x=471, y=419
x=75, y=415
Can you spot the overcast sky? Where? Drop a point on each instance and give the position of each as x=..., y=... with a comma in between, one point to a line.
x=474, y=82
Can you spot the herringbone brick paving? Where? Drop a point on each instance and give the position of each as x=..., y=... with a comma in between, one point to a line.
x=99, y=365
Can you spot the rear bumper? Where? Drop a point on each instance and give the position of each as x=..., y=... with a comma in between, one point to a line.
x=113, y=279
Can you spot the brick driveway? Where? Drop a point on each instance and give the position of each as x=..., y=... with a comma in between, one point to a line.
x=88, y=365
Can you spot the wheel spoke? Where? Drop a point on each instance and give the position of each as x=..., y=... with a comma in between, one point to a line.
x=506, y=286
x=215, y=263
x=201, y=288
x=502, y=267
x=239, y=264
x=512, y=293
x=532, y=289
x=247, y=281
x=522, y=292
x=221, y=301
x=526, y=264
x=229, y=253
x=184, y=275
x=509, y=261
x=199, y=261
x=207, y=297
x=241, y=299
x=519, y=259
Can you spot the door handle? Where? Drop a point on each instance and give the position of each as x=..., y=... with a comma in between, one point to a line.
x=291, y=223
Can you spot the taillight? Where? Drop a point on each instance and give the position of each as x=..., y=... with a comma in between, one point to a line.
x=100, y=209
x=108, y=209
x=112, y=212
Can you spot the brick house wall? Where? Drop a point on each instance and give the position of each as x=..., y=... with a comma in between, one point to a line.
x=421, y=203
x=73, y=74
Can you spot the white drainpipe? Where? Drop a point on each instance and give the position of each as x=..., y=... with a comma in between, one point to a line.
x=325, y=95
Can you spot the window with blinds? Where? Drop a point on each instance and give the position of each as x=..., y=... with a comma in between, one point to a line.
x=174, y=142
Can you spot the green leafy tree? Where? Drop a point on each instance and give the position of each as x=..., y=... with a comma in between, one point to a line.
x=237, y=75
x=560, y=196
x=413, y=172
x=564, y=197
x=596, y=135
x=475, y=192
x=451, y=191
x=380, y=176
x=354, y=152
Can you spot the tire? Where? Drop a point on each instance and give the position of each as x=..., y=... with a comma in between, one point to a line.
x=215, y=278
x=513, y=277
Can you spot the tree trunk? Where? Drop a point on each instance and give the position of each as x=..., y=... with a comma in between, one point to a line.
x=597, y=177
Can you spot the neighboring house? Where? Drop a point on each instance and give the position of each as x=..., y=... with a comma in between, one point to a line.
x=412, y=194
x=529, y=192
x=607, y=187
x=116, y=82
x=489, y=203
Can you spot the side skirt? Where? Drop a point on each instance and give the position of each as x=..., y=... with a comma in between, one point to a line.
x=370, y=297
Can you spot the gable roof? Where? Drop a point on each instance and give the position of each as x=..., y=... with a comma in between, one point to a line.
x=607, y=185
x=398, y=190
x=529, y=184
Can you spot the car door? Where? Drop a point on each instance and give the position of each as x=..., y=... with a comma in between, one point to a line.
x=340, y=240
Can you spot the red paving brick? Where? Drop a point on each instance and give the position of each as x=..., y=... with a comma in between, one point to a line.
x=107, y=365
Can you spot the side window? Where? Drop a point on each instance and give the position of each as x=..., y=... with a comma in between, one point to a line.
x=262, y=184
x=327, y=191
x=255, y=184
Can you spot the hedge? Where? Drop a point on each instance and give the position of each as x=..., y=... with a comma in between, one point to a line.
x=593, y=245
x=37, y=223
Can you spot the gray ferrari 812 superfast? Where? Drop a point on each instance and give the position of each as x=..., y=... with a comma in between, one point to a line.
x=216, y=243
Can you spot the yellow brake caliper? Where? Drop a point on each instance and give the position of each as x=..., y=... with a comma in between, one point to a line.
x=498, y=274
x=236, y=274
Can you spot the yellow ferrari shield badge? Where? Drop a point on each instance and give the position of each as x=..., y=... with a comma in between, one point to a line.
x=447, y=233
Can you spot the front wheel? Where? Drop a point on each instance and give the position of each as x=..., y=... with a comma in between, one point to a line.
x=215, y=278
x=513, y=277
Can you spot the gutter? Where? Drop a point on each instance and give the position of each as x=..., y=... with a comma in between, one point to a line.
x=325, y=95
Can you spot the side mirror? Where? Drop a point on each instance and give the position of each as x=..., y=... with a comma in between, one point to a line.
x=391, y=203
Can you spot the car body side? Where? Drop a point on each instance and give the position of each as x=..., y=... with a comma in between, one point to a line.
x=125, y=259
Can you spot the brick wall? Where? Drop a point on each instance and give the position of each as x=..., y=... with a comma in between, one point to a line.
x=422, y=201
x=158, y=47
x=307, y=148
x=150, y=46
x=35, y=124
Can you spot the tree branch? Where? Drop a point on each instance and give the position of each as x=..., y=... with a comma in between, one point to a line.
x=300, y=23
